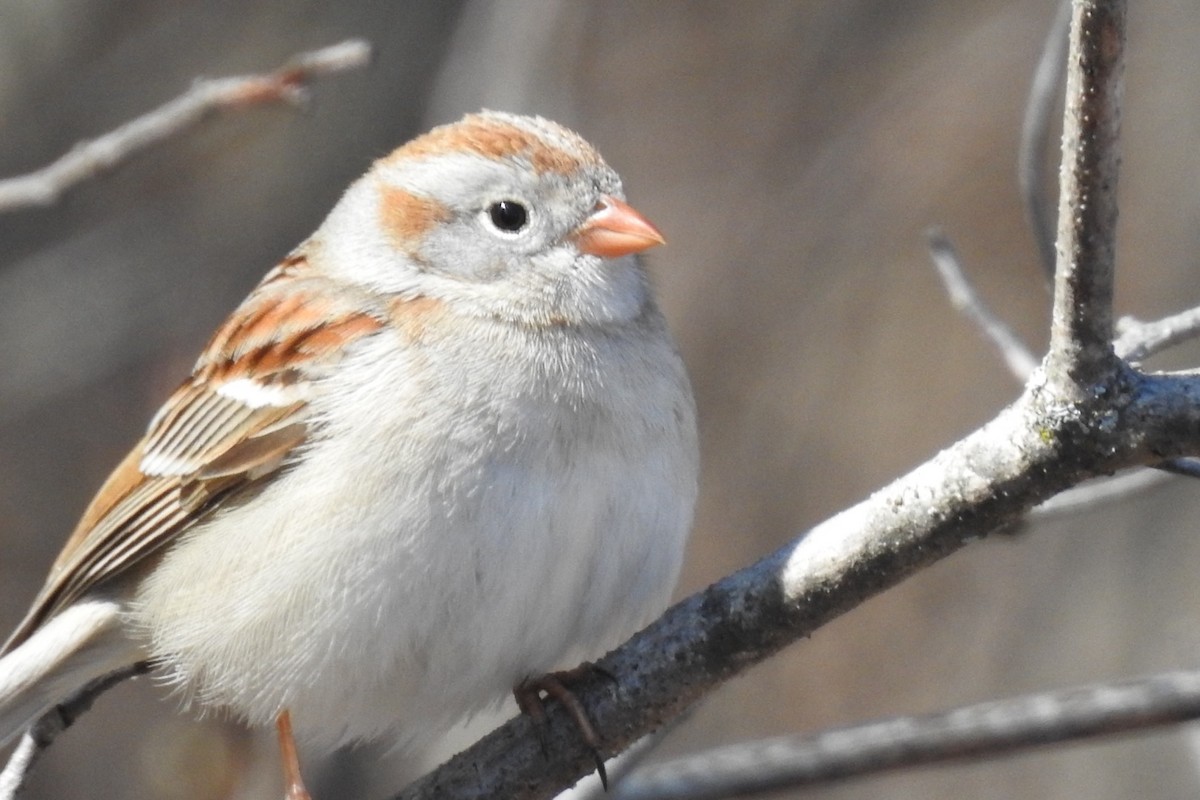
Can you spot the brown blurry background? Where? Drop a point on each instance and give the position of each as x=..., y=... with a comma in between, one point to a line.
x=793, y=153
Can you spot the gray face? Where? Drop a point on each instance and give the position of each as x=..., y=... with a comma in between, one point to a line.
x=505, y=219
x=482, y=213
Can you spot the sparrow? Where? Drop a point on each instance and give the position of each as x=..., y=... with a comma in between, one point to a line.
x=445, y=447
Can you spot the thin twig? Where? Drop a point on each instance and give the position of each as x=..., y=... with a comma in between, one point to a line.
x=1137, y=341
x=969, y=733
x=1091, y=495
x=89, y=159
x=1020, y=359
x=1041, y=109
x=12, y=779
x=1081, y=331
x=43, y=732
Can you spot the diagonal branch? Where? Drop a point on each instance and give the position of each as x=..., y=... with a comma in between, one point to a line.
x=1031, y=451
x=1020, y=359
x=92, y=158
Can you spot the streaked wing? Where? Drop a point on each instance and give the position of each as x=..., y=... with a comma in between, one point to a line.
x=233, y=423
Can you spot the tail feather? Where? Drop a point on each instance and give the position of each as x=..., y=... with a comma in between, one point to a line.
x=81, y=643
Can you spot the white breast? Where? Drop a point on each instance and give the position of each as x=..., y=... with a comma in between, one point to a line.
x=522, y=502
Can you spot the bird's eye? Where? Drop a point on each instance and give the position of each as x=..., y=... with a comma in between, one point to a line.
x=508, y=215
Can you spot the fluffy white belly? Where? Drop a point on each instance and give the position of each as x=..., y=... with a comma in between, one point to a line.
x=455, y=554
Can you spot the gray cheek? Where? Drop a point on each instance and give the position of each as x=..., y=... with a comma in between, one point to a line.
x=458, y=251
x=491, y=270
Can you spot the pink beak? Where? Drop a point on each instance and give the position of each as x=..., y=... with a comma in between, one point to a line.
x=616, y=229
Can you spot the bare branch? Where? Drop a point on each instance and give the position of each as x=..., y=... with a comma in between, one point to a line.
x=43, y=732
x=92, y=158
x=1020, y=359
x=12, y=779
x=1041, y=109
x=1081, y=331
x=970, y=733
x=988, y=480
x=1137, y=341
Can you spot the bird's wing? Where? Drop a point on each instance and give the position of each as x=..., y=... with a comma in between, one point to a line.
x=232, y=424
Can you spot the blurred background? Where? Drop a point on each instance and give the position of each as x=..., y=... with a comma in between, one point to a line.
x=793, y=153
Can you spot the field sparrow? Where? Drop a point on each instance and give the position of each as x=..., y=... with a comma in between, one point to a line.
x=445, y=446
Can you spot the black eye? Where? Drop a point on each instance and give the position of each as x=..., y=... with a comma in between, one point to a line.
x=508, y=215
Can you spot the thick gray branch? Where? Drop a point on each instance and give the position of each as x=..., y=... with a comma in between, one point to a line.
x=1034, y=449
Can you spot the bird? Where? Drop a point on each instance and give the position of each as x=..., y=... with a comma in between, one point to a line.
x=445, y=447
